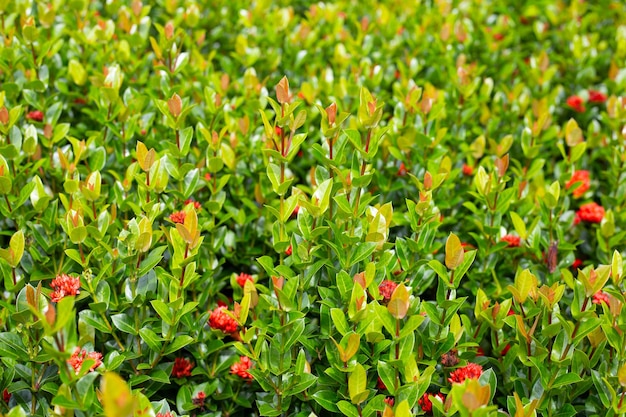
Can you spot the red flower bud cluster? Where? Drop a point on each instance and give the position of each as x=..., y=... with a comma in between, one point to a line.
x=590, y=213
x=241, y=368
x=576, y=103
x=386, y=288
x=582, y=178
x=35, y=115
x=512, y=240
x=220, y=320
x=596, y=96
x=182, y=368
x=178, y=217
x=79, y=356
x=426, y=403
x=600, y=297
x=471, y=370
x=242, y=278
x=196, y=204
x=64, y=285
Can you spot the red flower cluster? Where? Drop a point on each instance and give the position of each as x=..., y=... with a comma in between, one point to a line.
x=390, y=401
x=582, y=178
x=576, y=103
x=590, y=213
x=471, y=370
x=601, y=297
x=242, y=278
x=426, y=403
x=64, y=285
x=220, y=320
x=596, y=96
x=198, y=400
x=401, y=170
x=79, y=356
x=168, y=414
x=196, y=204
x=178, y=217
x=6, y=395
x=380, y=384
x=182, y=368
x=386, y=288
x=512, y=240
x=577, y=263
x=468, y=170
x=289, y=251
x=35, y=115
x=241, y=368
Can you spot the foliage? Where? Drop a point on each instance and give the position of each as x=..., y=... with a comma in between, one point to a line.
x=282, y=209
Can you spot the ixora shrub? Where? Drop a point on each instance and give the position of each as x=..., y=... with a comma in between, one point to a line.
x=359, y=208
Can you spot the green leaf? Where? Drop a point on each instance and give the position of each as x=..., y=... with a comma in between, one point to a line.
x=11, y=346
x=566, y=379
x=347, y=409
x=124, y=323
x=153, y=341
x=357, y=383
x=327, y=399
x=179, y=342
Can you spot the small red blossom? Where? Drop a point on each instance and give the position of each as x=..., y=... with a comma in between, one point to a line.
x=168, y=414
x=471, y=370
x=182, y=368
x=468, y=170
x=601, y=297
x=512, y=240
x=35, y=115
x=380, y=384
x=178, y=217
x=402, y=170
x=511, y=312
x=295, y=211
x=596, y=96
x=426, y=403
x=576, y=103
x=198, y=400
x=590, y=213
x=6, y=395
x=580, y=177
x=196, y=204
x=79, y=356
x=498, y=36
x=386, y=288
x=279, y=131
x=64, y=285
x=207, y=176
x=242, y=278
x=241, y=368
x=289, y=251
x=577, y=263
x=390, y=401
x=220, y=320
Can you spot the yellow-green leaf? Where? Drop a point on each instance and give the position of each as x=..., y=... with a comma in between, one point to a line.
x=357, y=383
x=454, y=252
x=117, y=399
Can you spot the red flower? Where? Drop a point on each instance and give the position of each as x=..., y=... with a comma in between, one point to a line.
x=596, y=96
x=64, y=285
x=182, y=368
x=35, y=115
x=168, y=414
x=390, y=401
x=582, y=178
x=380, y=384
x=220, y=320
x=279, y=131
x=6, y=396
x=426, y=403
x=576, y=103
x=401, y=170
x=198, y=400
x=178, y=217
x=289, y=251
x=601, y=297
x=498, y=36
x=207, y=176
x=241, y=368
x=577, y=263
x=242, y=278
x=471, y=370
x=79, y=356
x=468, y=170
x=512, y=240
x=386, y=288
x=295, y=211
x=196, y=204
x=590, y=213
